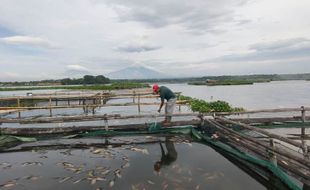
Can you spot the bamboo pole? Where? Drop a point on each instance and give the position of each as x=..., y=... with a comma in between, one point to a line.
x=302, y=161
x=89, y=105
x=272, y=155
x=50, y=107
x=297, y=144
x=18, y=105
x=139, y=108
x=79, y=129
x=80, y=118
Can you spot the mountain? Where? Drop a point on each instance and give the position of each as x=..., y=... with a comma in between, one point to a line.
x=136, y=72
x=72, y=73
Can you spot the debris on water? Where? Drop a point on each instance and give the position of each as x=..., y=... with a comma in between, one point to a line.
x=99, y=188
x=197, y=187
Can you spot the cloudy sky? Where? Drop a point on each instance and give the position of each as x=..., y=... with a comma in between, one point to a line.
x=41, y=39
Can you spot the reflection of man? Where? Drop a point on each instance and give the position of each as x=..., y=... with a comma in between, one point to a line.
x=166, y=158
x=166, y=93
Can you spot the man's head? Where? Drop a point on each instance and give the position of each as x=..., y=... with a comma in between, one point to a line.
x=155, y=88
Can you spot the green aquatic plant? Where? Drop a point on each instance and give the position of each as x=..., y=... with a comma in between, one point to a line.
x=202, y=106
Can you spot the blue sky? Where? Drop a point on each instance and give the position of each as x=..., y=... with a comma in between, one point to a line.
x=51, y=38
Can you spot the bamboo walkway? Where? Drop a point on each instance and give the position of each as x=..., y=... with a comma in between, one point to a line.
x=290, y=155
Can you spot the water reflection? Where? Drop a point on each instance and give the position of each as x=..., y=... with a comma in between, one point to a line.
x=168, y=157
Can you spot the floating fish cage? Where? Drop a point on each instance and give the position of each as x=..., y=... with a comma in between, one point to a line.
x=195, y=151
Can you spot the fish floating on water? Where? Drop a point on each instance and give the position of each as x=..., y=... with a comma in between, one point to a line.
x=142, y=150
x=32, y=164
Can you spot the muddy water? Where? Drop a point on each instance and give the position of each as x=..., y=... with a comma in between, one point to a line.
x=183, y=165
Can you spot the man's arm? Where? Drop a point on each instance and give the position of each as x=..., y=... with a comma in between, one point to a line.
x=161, y=105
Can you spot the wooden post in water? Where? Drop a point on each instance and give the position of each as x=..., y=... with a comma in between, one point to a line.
x=271, y=153
x=18, y=105
x=303, y=118
x=68, y=102
x=303, y=132
x=139, y=108
x=94, y=102
x=134, y=95
x=50, y=104
x=179, y=99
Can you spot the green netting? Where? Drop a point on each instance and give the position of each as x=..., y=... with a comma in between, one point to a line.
x=155, y=129
x=6, y=140
x=244, y=156
x=286, y=125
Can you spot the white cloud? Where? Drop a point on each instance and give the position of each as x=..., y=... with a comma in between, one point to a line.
x=190, y=36
x=28, y=40
x=77, y=67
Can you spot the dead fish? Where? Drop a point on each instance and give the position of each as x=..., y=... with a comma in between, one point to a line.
x=91, y=173
x=133, y=187
x=64, y=179
x=111, y=183
x=33, y=178
x=197, y=187
x=189, y=144
x=125, y=158
x=126, y=165
x=97, y=151
x=67, y=164
x=7, y=167
x=284, y=162
x=150, y=182
x=43, y=157
x=142, y=150
x=77, y=181
x=105, y=172
x=118, y=173
x=95, y=179
x=10, y=184
x=4, y=163
x=165, y=186
x=190, y=172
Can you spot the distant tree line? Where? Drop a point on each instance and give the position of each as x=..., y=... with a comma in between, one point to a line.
x=87, y=79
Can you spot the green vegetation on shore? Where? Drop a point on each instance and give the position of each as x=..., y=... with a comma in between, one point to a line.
x=113, y=86
x=203, y=106
x=227, y=82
